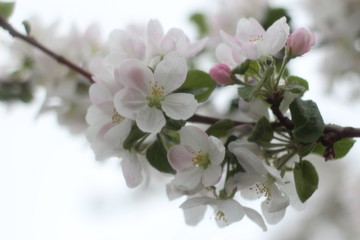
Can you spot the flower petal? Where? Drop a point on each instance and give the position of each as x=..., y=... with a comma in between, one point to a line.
x=171, y=72
x=150, y=120
x=211, y=175
x=188, y=180
x=174, y=40
x=180, y=157
x=248, y=29
x=272, y=217
x=232, y=210
x=278, y=199
x=134, y=74
x=131, y=168
x=155, y=33
x=276, y=36
x=99, y=94
x=194, y=137
x=255, y=217
x=179, y=105
x=216, y=150
x=129, y=102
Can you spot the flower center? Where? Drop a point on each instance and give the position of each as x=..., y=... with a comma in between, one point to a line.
x=255, y=38
x=220, y=216
x=117, y=118
x=201, y=159
x=263, y=189
x=156, y=95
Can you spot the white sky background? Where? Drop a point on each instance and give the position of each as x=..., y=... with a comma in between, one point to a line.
x=52, y=188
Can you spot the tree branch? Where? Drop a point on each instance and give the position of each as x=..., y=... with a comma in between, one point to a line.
x=14, y=33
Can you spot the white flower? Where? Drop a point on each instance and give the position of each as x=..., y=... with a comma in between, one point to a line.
x=227, y=211
x=147, y=95
x=259, y=179
x=197, y=160
x=175, y=40
x=253, y=42
x=107, y=128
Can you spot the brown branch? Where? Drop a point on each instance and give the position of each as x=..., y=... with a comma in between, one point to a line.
x=14, y=33
x=210, y=120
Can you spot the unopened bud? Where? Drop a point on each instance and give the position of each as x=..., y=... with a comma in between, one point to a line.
x=221, y=74
x=300, y=42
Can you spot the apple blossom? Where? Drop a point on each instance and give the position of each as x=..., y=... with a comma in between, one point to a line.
x=197, y=160
x=253, y=42
x=147, y=96
x=300, y=41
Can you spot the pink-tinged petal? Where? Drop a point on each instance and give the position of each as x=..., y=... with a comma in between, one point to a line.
x=188, y=180
x=174, y=40
x=129, y=102
x=232, y=210
x=229, y=40
x=180, y=157
x=196, y=47
x=128, y=44
x=99, y=94
x=131, y=169
x=99, y=71
x=155, y=33
x=276, y=36
x=94, y=115
x=216, y=150
x=211, y=175
x=272, y=217
x=179, y=105
x=134, y=74
x=242, y=180
x=194, y=137
x=255, y=217
x=150, y=120
x=248, y=30
x=278, y=199
x=224, y=54
x=171, y=72
x=251, y=50
x=101, y=150
x=117, y=134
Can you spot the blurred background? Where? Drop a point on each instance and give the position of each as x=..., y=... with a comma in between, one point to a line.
x=51, y=186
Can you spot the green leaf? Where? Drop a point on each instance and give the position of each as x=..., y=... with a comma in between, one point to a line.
x=200, y=21
x=308, y=123
x=341, y=147
x=176, y=125
x=198, y=83
x=6, y=9
x=247, y=92
x=262, y=131
x=274, y=14
x=220, y=128
x=304, y=150
x=252, y=69
x=296, y=84
x=156, y=154
x=242, y=68
x=306, y=179
x=135, y=135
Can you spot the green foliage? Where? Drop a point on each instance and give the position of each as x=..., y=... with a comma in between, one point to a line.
x=199, y=84
x=199, y=20
x=306, y=179
x=220, y=128
x=296, y=85
x=6, y=9
x=341, y=147
x=262, y=131
x=15, y=90
x=247, y=92
x=156, y=154
x=274, y=14
x=242, y=68
x=135, y=135
x=175, y=125
x=308, y=123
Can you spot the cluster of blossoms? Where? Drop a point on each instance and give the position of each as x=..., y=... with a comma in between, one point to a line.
x=145, y=96
x=66, y=93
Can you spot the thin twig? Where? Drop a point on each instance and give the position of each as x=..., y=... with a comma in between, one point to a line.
x=16, y=34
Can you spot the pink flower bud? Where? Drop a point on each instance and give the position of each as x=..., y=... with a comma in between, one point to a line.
x=300, y=42
x=221, y=74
